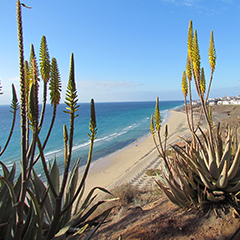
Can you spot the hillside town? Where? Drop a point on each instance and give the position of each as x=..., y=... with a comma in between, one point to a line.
x=221, y=101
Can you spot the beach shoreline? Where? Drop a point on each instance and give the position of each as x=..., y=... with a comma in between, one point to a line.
x=128, y=165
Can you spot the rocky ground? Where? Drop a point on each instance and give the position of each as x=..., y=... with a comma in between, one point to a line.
x=145, y=213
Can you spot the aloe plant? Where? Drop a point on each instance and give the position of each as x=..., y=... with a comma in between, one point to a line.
x=208, y=169
x=15, y=107
x=30, y=208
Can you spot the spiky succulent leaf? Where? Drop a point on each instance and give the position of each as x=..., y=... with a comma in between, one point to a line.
x=4, y=170
x=55, y=83
x=37, y=215
x=54, y=175
x=235, y=165
x=212, y=53
x=184, y=84
x=80, y=217
x=233, y=189
x=169, y=194
x=222, y=181
x=226, y=154
x=70, y=191
x=213, y=198
x=206, y=180
x=42, y=195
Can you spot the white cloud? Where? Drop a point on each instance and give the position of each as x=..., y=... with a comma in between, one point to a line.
x=14, y=79
x=188, y=3
x=191, y=3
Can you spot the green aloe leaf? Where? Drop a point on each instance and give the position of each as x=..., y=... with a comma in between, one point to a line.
x=213, y=169
x=10, y=189
x=78, y=200
x=236, y=179
x=177, y=191
x=104, y=215
x=37, y=215
x=70, y=190
x=232, y=189
x=222, y=181
x=42, y=195
x=4, y=169
x=73, y=179
x=235, y=165
x=227, y=153
x=170, y=195
x=213, y=198
x=206, y=181
x=9, y=205
x=54, y=175
x=89, y=196
x=29, y=226
x=79, y=232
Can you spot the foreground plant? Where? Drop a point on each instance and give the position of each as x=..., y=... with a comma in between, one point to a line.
x=29, y=208
x=208, y=169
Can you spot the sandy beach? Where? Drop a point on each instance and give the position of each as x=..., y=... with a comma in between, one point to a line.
x=130, y=164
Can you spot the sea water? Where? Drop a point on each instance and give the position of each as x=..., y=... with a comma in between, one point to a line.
x=118, y=124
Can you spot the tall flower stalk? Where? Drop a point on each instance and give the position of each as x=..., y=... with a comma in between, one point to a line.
x=193, y=64
x=45, y=73
x=20, y=222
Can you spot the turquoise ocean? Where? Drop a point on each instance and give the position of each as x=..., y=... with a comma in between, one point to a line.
x=119, y=125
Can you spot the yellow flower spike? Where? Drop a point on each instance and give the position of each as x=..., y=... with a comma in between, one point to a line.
x=184, y=84
x=152, y=128
x=166, y=131
x=65, y=138
x=212, y=53
x=190, y=40
x=210, y=116
x=189, y=69
x=157, y=116
x=202, y=82
x=196, y=56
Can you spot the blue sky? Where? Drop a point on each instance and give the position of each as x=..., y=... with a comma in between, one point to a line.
x=125, y=50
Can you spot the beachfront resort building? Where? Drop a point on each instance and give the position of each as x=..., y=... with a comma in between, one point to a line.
x=221, y=101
